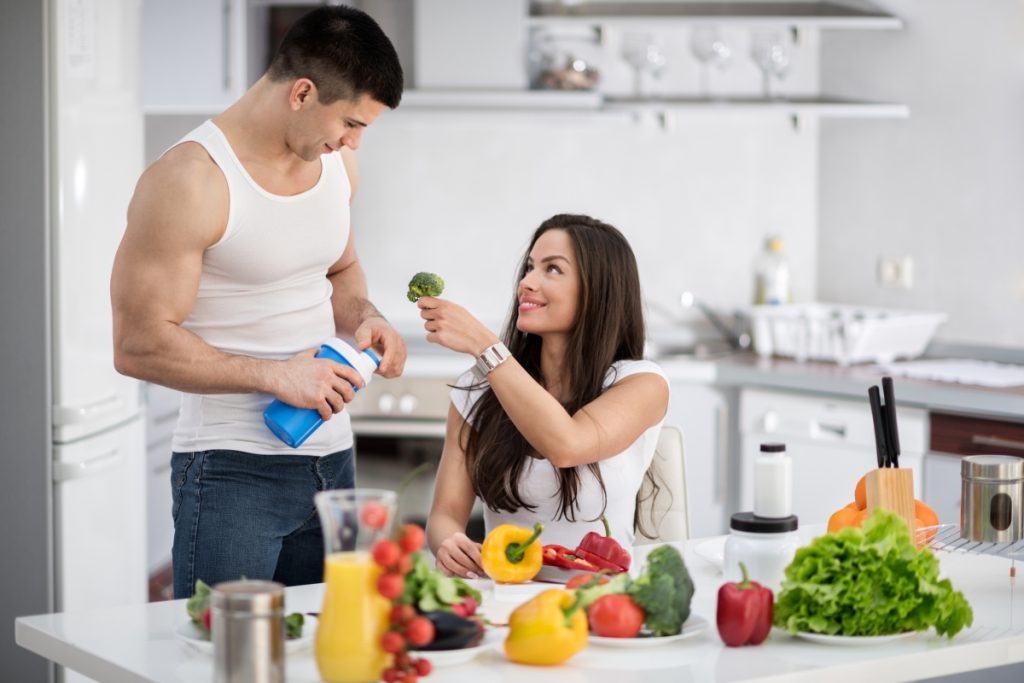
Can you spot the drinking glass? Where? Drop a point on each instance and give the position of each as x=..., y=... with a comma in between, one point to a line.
x=768, y=50
x=710, y=49
x=354, y=615
x=643, y=52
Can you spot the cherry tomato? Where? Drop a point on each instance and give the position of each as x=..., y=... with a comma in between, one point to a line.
x=400, y=614
x=419, y=631
x=390, y=585
x=208, y=619
x=469, y=603
x=615, y=616
x=423, y=667
x=373, y=515
x=386, y=553
x=390, y=675
x=392, y=642
x=410, y=537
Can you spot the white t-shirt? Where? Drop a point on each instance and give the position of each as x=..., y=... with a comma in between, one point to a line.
x=538, y=485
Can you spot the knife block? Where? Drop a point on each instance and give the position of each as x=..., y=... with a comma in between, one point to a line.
x=892, y=488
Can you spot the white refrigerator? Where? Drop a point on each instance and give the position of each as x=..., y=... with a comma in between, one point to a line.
x=96, y=153
x=72, y=444
x=99, y=443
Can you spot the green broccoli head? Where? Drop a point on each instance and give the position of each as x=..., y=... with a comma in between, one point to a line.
x=664, y=591
x=425, y=284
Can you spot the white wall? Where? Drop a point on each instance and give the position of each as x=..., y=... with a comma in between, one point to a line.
x=462, y=196
x=945, y=187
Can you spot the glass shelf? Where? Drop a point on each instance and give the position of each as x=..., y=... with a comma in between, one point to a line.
x=827, y=15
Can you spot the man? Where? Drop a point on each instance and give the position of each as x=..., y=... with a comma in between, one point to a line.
x=237, y=262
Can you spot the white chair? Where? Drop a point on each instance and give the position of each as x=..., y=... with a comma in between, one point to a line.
x=667, y=512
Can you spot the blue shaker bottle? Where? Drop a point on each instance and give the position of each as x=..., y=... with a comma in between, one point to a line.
x=294, y=425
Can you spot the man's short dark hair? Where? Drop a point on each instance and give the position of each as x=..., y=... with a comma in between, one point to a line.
x=344, y=52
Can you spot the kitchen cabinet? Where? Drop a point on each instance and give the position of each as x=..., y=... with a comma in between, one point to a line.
x=705, y=414
x=193, y=55
x=161, y=416
x=831, y=442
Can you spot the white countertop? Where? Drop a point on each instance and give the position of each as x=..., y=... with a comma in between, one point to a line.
x=136, y=644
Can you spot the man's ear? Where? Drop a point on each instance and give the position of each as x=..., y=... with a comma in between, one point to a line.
x=303, y=93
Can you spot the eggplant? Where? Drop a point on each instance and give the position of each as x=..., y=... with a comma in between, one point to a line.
x=452, y=632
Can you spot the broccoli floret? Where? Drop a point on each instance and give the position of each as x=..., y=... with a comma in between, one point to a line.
x=664, y=591
x=425, y=284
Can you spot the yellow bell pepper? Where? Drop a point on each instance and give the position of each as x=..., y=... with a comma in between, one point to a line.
x=547, y=630
x=512, y=554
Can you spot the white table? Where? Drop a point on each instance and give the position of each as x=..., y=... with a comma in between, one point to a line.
x=136, y=644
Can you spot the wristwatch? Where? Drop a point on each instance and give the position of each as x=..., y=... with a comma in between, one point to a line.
x=493, y=356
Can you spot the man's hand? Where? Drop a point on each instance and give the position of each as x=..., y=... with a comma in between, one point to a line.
x=305, y=381
x=378, y=334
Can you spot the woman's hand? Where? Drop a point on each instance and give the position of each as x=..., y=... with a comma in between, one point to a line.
x=452, y=326
x=459, y=556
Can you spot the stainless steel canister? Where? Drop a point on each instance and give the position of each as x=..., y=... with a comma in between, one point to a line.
x=992, y=488
x=248, y=632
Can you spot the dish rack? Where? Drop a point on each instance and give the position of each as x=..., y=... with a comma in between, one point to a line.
x=947, y=538
x=841, y=333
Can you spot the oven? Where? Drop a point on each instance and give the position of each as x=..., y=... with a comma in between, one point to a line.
x=399, y=425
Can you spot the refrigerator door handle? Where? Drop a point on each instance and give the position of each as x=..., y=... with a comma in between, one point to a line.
x=68, y=415
x=66, y=471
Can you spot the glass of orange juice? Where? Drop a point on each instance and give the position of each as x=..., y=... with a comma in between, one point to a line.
x=354, y=615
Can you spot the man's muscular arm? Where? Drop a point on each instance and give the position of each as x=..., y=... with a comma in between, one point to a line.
x=178, y=210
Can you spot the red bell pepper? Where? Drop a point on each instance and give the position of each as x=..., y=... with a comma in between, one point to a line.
x=604, y=551
x=560, y=556
x=744, y=611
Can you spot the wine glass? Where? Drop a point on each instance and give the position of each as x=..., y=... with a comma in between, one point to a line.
x=710, y=49
x=768, y=50
x=643, y=52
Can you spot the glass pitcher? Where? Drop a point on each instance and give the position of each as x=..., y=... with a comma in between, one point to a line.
x=354, y=615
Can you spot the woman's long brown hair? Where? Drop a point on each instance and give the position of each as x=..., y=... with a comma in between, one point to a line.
x=609, y=327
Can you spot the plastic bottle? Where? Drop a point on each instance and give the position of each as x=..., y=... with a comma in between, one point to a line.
x=771, y=274
x=773, y=482
x=294, y=425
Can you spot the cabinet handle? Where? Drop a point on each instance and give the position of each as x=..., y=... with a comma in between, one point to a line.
x=980, y=440
x=226, y=43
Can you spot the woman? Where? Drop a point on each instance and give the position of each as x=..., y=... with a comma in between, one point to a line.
x=562, y=429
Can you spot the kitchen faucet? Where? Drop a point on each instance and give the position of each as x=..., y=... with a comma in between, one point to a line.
x=736, y=340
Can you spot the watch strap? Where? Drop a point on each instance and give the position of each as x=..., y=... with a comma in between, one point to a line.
x=491, y=357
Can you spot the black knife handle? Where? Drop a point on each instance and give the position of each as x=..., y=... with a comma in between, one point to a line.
x=892, y=433
x=876, y=417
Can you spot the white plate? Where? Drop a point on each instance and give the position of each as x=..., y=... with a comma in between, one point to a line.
x=194, y=637
x=695, y=625
x=493, y=638
x=852, y=641
x=712, y=551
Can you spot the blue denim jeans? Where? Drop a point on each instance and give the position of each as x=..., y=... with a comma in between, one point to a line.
x=238, y=514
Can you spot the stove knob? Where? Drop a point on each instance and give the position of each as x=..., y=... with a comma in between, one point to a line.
x=386, y=403
x=407, y=404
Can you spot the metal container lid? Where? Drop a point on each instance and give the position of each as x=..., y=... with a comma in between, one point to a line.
x=249, y=598
x=992, y=468
x=751, y=523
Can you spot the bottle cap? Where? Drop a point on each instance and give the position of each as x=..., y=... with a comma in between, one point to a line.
x=773, y=448
x=748, y=521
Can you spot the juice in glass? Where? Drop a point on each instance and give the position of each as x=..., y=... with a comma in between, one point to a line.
x=353, y=619
x=354, y=615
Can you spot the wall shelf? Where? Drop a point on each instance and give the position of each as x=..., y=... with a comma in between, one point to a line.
x=541, y=102
x=822, y=15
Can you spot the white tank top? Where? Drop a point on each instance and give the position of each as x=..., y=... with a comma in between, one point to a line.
x=264, y=293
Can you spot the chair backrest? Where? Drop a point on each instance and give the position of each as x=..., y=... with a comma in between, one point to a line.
x=667, y=512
